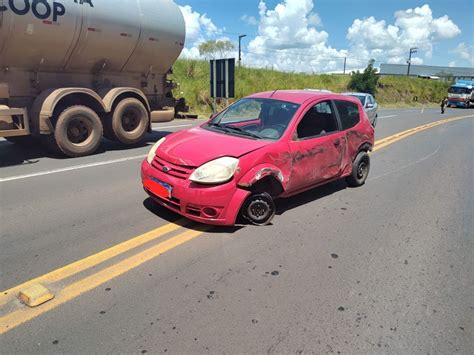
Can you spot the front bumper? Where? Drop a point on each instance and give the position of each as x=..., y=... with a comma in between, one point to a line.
x=457, y=103
x=216, y=204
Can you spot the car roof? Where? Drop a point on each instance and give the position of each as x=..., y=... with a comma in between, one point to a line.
x=297, y=96
x=356, y=93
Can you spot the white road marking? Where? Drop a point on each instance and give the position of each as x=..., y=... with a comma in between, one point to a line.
x=71, y=168
x=184, y=125
x=407, y=165
x=83, y=166
x=388, y=116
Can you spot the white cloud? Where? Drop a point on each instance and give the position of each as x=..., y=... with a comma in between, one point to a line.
x=288, y=39
x=199, y=27
x=315, y=20
x=250, y=20
x=466, y=52
x=412, y=28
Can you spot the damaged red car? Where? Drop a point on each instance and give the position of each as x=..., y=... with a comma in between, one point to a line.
x=265, y=146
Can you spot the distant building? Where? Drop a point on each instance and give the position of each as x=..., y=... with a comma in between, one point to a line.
x=426, y=71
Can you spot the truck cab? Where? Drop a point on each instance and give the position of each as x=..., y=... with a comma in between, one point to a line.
x=460, y=94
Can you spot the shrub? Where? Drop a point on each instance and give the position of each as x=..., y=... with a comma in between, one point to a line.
x=366, y=81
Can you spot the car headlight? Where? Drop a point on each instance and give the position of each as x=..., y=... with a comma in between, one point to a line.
x=215, y=171
x=152, y=152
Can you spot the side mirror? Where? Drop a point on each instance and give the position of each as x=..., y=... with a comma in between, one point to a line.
x=370, y=106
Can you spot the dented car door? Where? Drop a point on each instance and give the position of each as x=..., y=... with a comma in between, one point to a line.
x=317, y=149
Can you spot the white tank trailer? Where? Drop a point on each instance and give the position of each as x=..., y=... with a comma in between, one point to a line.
x=72, y=71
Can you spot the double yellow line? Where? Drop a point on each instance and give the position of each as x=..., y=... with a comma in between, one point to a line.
x=382, y=143
x=20, y=315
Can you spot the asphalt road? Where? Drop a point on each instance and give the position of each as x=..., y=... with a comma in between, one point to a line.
x=385, y=268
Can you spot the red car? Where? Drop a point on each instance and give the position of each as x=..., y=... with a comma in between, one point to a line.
x=265, y=146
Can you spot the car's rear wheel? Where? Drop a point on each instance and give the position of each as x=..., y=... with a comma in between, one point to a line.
x=259, y=209
x=360, y=170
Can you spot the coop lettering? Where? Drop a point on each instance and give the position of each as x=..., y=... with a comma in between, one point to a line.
x=41, y=9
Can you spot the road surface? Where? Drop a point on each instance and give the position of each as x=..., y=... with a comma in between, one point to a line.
x=382, y=268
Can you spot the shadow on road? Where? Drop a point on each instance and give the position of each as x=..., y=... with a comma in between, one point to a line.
x=289, y=203
x=23, y=154
x=172, y=217
x=282, y=205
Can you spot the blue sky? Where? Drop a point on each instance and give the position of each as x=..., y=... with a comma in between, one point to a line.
x=310, y=35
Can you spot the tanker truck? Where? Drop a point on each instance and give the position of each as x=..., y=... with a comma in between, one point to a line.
x=73, y=71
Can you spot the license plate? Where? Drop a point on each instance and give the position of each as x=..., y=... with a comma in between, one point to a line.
x=159, y=188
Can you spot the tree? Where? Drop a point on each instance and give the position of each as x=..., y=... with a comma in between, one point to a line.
x=214, y=49
x=365, y=81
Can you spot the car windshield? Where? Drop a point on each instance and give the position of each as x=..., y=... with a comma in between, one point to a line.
x=361, y=98
x=255, y=118
x=459, y=90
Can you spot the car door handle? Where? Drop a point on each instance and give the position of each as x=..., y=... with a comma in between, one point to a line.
x=337, y=143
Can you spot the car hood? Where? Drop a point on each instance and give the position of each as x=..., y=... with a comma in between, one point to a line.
x=196, y=146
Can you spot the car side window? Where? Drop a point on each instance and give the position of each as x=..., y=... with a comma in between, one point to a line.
x=371, y=100
x=319, y=120
x=348, y=112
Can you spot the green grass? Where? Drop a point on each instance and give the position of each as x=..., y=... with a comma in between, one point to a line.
x=393, y=91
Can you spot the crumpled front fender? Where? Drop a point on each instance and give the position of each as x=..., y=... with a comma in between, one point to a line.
x=259, y=172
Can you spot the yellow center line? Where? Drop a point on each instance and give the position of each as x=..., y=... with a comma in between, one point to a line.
x=22, y=315
x=399, y=136
x=93, y=260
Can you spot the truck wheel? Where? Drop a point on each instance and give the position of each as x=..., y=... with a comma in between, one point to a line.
x=78, y=131
x=129, y=122
x=360, y=170
x=259, y=209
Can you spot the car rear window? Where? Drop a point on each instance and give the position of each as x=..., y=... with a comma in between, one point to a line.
x=348, y=112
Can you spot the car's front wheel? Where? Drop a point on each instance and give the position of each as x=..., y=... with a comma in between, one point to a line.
x=259, y=209
x=360, y=170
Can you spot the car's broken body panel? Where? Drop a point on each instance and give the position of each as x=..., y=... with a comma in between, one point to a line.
x=297, y=165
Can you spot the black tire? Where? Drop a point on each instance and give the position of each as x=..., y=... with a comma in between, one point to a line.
x=360, y=170
x=78, y=132
x=128, y=123
x=259, y=209
x=375, y=121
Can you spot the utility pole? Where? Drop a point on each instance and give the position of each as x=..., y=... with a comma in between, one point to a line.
x=345, y=61
x=412, y=51
x=240, y=48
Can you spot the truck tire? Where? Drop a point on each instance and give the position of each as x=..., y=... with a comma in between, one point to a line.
x=129, y=122
x=78, y=131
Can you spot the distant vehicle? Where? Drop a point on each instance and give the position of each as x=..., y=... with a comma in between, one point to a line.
x=460, y=94
x=370, y=105
x=265, y=146
x=74, y=71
